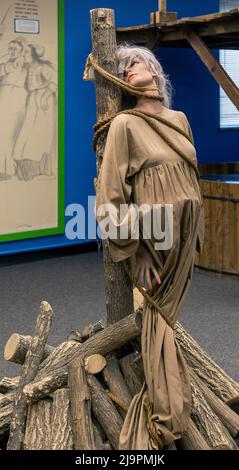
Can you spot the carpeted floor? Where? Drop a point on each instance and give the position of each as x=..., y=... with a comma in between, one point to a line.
x=74, y=286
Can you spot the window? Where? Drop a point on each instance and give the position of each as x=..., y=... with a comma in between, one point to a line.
x=229, y=59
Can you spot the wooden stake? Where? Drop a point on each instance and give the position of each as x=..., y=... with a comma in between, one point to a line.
x=32, y=361
x=119, y=297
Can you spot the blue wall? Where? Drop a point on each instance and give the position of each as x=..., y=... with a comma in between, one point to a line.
x=196, y=93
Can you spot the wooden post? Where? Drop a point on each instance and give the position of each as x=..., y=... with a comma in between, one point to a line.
x=162, y=15
x=162, y=5
x=217, y=71
x=119, y=297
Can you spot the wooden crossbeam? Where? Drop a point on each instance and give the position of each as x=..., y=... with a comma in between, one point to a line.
x=217, y=71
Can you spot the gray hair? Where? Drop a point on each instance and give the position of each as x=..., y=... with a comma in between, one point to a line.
x=127, y=51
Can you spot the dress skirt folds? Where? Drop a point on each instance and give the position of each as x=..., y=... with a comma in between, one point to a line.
x=139, y=167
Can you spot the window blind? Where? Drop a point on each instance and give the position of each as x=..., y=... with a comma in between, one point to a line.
x=229, y=59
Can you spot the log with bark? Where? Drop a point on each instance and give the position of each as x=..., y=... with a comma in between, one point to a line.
x=80, y=398
x=114, y=337
x=117, y=386
x=105, y=412
x=38, y=426
x=17, y=346
x=62, y=436
x=32, y=361
x=9, y=384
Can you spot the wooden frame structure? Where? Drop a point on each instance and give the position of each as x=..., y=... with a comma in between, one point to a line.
x=202, y=33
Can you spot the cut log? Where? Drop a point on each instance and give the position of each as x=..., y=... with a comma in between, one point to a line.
x=6, y=407
x=47, y=385
x=203, y=365
x=192, y=439
x=117, y=385
x=228, y=417
x=30, y=367
x=95, y=364
x=87, y=331
x=234, y=404
x=79, y=394
x=132, y=369
x=110, y=339
x=208, y=423
x=17, y=346
x=75, y=336
x=105, y=342
x=62, y=436
x=38, y=426
x=105, y=411
x=99, y=442
x=8, y=384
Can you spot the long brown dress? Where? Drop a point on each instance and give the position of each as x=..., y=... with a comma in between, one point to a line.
x=140, y=167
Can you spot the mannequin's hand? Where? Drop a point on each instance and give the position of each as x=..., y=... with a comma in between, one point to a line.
x=145, y=269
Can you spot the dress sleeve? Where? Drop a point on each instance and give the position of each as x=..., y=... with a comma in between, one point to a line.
x=115, y=211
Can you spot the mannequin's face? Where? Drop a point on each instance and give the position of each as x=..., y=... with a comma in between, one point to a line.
x=137, y=73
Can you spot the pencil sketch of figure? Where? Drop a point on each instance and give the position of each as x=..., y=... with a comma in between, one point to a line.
x=13, y=96
x=34, y=151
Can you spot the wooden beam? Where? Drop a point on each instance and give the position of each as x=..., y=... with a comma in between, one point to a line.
x=213, y=65
x=212, y=27
x=162, y=5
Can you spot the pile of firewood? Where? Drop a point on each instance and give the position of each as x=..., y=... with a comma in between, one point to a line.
x=76, y=396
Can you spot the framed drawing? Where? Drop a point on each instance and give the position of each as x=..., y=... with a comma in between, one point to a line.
x=31, y=118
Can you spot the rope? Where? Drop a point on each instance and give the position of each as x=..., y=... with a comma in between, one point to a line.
x=117, y=400
x=146, y=295
x=133, y=90
x=151, y=426
x=150, y=422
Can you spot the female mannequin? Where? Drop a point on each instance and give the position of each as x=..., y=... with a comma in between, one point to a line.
x=140, y=167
